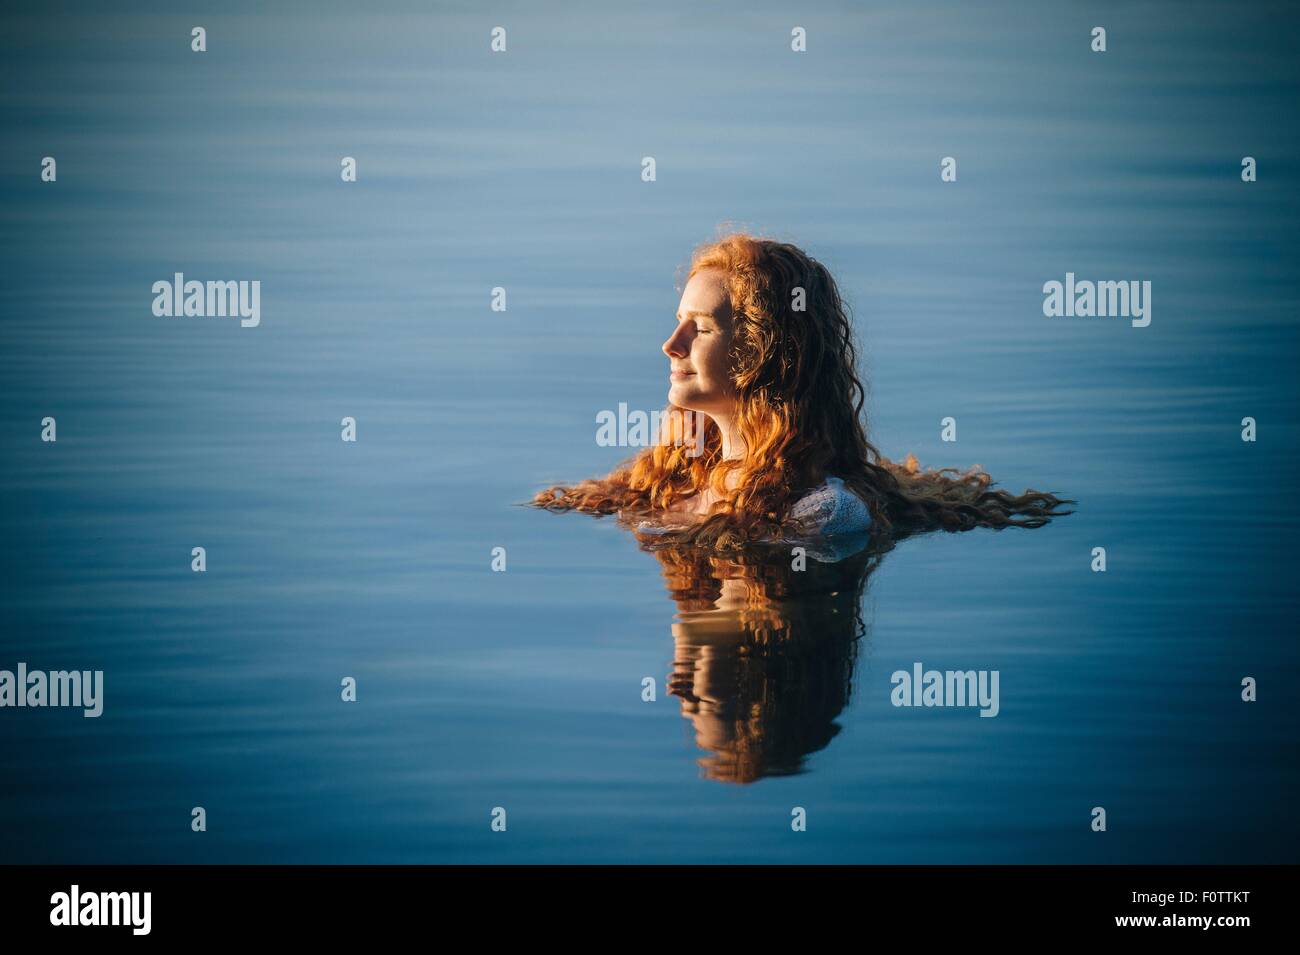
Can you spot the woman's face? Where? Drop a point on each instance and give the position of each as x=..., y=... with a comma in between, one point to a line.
x=699, y=349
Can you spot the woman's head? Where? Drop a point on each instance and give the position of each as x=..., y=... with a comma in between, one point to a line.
x=788, y=387
x=762, y=345
x=779, y=309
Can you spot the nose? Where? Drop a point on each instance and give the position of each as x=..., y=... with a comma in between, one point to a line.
x=679, y=343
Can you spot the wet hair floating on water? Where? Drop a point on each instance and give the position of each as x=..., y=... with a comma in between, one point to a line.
x=800, y=413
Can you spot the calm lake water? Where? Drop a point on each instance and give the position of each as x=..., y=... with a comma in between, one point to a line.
x=523, y=689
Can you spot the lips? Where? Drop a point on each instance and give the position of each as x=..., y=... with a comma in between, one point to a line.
x=678, y=375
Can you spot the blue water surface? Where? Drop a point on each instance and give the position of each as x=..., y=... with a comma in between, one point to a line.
x=523, y=689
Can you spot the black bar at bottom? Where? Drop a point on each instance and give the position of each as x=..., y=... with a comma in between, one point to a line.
x=336, y=903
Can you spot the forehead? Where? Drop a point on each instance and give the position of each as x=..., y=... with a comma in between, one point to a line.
x=706, y=292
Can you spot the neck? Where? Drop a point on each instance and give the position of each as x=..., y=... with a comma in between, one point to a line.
x=733, y=445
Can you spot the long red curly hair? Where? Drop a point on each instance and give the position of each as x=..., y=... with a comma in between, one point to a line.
x=800, y=413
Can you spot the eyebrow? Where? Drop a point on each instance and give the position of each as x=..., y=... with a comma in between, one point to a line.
x=695, y=313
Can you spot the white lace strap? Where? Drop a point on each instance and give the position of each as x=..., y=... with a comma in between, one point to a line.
x=832, y=509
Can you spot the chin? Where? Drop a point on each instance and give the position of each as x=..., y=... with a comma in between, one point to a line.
x=683, y=401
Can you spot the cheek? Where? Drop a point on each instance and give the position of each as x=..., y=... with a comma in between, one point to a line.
x=713, y=362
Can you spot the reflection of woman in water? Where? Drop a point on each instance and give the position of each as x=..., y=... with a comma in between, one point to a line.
x=762, y=348
x=764, y=648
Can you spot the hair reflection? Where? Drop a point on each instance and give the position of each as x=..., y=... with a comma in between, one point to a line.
x=765, y=642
